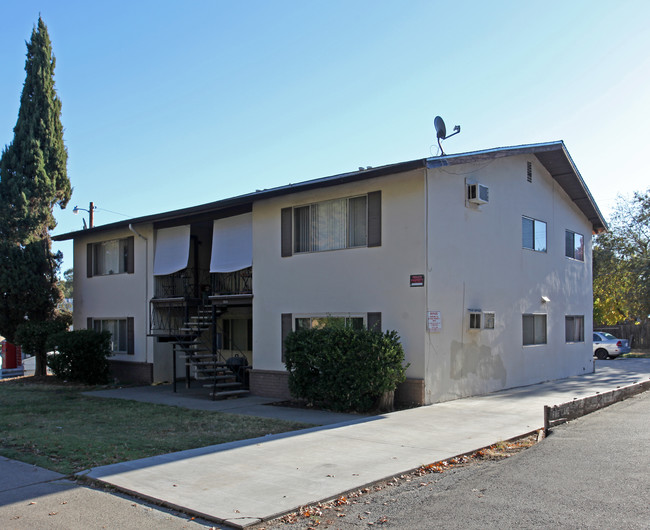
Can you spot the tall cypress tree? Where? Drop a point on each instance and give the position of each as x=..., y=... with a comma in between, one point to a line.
x=33, y=179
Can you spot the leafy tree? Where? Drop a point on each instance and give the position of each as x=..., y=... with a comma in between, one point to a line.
x=35, y=337
x=33, y=179
x=67, y=283
x=621, y=264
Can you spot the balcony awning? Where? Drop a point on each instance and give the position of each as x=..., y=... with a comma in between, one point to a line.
x=232, y=243
x=172, y=250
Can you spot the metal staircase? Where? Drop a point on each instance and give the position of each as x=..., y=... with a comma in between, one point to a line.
x=197, y=342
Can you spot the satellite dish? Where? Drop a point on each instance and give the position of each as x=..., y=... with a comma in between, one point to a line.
x=441, y=131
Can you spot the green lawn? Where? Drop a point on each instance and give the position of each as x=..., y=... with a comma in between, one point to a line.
x=56, y=427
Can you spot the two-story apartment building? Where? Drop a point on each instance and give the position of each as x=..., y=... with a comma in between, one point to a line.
x=480, y=261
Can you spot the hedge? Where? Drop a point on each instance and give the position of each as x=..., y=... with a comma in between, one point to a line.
x=343, y=369
x=82, y=356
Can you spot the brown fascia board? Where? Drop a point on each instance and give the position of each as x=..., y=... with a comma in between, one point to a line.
x=552, y=155
x=244, y=203
x=556, y=160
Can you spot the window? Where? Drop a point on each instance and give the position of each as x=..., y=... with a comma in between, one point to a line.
x=320, y=322
x=488, y=320
x=110, y=257
x=330, y=225
x=474, y=320
x=575, y=328
x=575, y=245
x=533, y=234
x=358, y=321
x=121, y=335
x=534, y=329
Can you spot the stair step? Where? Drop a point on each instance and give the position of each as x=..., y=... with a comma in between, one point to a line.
x=214, y=377
x=229, y=394
x=233, y=385
x=207, y=360
x=206, y=373
x=206, y=365
x=201, y=357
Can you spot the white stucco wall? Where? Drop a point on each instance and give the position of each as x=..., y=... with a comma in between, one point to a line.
x=356, y=280
x=476, y=261
x=118, y=295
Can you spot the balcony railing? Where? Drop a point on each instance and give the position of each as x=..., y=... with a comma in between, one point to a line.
x=230, y=283
x=187, y=283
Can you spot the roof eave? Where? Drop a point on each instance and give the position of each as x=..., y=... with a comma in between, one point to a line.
x=556, y=160
x=243, y=202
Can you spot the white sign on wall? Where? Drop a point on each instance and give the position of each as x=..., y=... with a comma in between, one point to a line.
x=434, y=321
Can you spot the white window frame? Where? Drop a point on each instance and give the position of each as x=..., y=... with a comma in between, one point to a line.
x=536, y=225
x=306, y=229
x=571, y=253
x=577, y=323
x=538, y=319
x=122, y=257
x=474, y=320
x=489, y=319
x=102, y=324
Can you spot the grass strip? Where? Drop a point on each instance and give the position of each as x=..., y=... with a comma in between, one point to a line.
x=58, y=428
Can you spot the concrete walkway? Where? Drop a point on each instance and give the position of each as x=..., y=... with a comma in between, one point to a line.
x=33, y=497
x=242, y=483
x=198, y=398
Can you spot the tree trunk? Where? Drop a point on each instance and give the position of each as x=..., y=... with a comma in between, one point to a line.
x=386, y=402
x=40, y=368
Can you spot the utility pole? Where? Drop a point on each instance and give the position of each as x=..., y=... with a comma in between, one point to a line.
x=91, y=212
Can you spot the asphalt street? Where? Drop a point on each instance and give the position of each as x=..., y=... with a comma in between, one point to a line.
x=593, y=472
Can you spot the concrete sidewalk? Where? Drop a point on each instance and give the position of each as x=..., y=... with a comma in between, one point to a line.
x=33, y=497
x=198, y=398
x=242, y=483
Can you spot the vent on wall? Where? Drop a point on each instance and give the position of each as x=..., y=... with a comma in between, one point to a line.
x=529, y=171
x=478, y=194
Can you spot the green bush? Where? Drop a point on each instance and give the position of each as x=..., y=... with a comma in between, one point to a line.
x=83, y=356
x=342, y=368
x=34, y=336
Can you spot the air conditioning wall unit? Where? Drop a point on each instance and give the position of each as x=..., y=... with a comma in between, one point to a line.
x=478, y=194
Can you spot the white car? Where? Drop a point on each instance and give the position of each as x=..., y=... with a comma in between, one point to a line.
x=607, y=345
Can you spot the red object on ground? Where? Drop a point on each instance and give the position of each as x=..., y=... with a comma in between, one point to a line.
x=11, y=355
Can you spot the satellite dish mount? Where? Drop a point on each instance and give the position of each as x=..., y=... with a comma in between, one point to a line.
x=441, y=131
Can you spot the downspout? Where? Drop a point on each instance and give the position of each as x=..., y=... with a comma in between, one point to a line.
x=146, y=291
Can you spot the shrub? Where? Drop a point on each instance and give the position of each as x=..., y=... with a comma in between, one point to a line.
x=83, y=356
x=35, y=338
x=342, y=368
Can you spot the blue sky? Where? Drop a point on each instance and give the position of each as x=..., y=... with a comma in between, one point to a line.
x=168, y=104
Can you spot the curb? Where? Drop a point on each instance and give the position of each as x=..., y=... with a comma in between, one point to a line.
x=571, y=410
